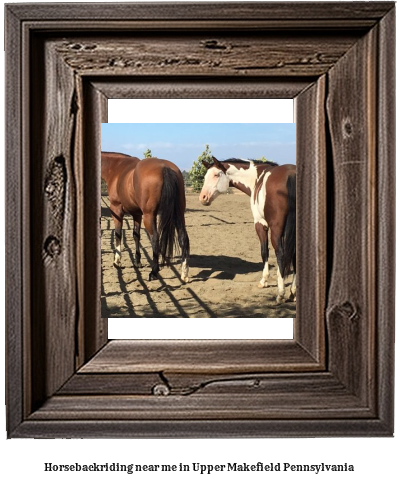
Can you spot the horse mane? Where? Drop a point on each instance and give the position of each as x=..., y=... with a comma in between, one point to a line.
x=117, y=153
x=246, y=161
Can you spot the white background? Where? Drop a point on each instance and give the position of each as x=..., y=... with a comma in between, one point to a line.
x=22, y=461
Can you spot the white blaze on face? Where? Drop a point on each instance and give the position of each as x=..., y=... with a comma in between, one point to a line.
x=215, y=183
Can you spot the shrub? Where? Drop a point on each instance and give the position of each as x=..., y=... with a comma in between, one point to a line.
x=198, y=170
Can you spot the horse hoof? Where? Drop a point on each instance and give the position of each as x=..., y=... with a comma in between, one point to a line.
x=261, y=286
x=185, y=279
x=152, y=277
x=117, y=265
x=279, y=300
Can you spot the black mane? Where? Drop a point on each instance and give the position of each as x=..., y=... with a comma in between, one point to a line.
x=255, y=161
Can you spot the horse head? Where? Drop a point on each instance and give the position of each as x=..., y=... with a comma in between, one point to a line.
x=215, y=182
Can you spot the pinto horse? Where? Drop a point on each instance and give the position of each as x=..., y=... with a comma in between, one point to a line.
x=272, y=190
x=151, y=190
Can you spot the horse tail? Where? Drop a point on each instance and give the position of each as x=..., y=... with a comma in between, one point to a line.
x=171, y=224
x=287, y=244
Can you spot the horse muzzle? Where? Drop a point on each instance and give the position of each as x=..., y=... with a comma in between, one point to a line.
x=205, y=199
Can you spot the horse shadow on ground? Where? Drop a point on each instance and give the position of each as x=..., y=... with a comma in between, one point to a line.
x=228, y=267
x=177, y=309
x=105, y=212
x=193, y=210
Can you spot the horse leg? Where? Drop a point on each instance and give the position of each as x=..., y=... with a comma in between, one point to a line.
x=293, y=284
x=275, y=237
x=117, y=216
x=293, y=289
x=184, y=243
x=151, y=227
x=136, y=237
x=262, y=230
x=280, y=284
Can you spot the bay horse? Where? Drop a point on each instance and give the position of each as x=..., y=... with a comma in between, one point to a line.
x=272, y=192
x=152, y=191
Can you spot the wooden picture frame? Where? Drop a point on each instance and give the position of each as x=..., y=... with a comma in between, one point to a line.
x=64, y=378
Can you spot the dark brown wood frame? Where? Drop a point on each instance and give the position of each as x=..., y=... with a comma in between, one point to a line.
x=64, y=378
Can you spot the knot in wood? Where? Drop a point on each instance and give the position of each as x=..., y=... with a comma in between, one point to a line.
x=50, y=189
x=347, y=128
x=346, y=312
x=213, y=44
x=349, y=310
x=161, y=390
x=55, y=191
x=52, y=246
x=55, y=181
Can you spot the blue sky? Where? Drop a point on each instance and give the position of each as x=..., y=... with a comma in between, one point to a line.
x=182, y=143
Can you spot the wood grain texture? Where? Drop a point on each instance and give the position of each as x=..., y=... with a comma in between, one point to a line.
x=95, y=329
x=255, y=397
x=217, y=55
x=200, y=356
x=65, y=62
x=359, y=14
x=111, y=384
x=352, y=124
x=15, y=258
x=189, y=428
x=311, y=217
x=202, y=407
x=185, y=384
x=385, y=224
x=53, y=240
x=174, y=87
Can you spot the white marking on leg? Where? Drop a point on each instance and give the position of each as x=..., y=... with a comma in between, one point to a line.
x=265, y=276
x=117, y=258
x=281, y=288
x=293, y=288
x=184, y=271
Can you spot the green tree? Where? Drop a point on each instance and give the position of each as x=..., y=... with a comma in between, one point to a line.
x=147, y=154
x=198, y=170
x=186, y=177
x=263, y=159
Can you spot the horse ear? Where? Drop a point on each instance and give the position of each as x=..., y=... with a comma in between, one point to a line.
x=206, y=164
x=218, y=164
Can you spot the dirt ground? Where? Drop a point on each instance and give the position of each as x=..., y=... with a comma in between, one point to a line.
x=225, y=268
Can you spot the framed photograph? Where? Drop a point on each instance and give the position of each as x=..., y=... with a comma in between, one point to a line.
x=226, y=273
x=65, y=377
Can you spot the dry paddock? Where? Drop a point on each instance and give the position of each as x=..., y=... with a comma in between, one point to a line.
x=225, y=268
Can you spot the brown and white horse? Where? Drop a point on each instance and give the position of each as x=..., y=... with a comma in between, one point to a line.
x=272, y=192
x=151, y=190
